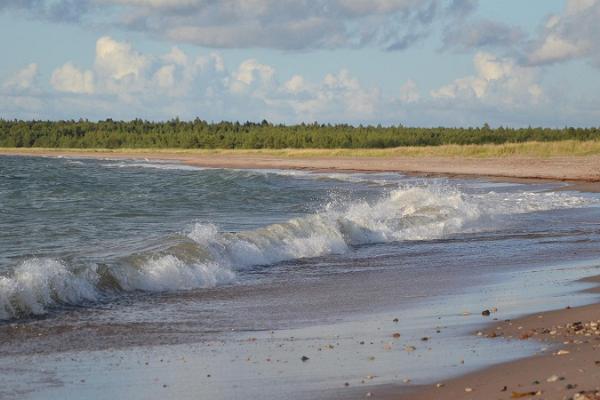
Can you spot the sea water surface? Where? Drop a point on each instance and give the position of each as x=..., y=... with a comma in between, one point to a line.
x=128, y=255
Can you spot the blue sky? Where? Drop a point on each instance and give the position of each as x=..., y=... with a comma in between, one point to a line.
x=415, y=62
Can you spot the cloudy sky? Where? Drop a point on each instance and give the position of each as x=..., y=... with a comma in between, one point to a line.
x=415, y=62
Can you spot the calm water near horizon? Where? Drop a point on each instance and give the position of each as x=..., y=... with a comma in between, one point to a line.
x=157, y=260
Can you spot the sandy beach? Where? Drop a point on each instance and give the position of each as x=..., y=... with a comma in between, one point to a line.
x=568, y=366
x=582, y=171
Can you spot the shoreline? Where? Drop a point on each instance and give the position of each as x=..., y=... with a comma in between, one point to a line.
x=566, y=367
x=549, y=374
x=581, y=173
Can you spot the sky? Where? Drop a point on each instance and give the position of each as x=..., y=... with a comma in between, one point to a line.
x=412, y=62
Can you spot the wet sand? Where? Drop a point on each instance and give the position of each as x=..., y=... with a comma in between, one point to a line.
x=567, y=365
x=583, y=172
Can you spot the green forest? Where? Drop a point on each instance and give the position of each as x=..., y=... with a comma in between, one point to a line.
x=199, y=134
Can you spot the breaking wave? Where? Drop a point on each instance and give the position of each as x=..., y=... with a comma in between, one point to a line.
x=206, y=257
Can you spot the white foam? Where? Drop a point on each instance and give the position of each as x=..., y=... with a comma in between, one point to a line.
x=169, y=273
x=154, y=165
x=37, y=284
x=411, y=213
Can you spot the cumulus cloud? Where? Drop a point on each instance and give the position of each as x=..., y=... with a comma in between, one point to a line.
x=20, y=94
x=23, y=80
x=497, y=80
x=69, y=78
x=251, y=76
x=118, y=61
x=124, y=83
x=570, y=35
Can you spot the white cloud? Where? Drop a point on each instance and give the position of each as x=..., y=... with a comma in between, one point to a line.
x=573, y=34
x=175, y=56
x=117, y=60
x=165, y=76
x=251, y=75
x=339, y=96
x=555, y=48
x=409, y=92
x=69, y=78
x=579, y=6
x=24, y=79
x=125, y=83
x=295, y=84
x=497, y=80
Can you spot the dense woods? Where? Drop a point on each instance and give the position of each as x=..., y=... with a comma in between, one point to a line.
x=232, y=135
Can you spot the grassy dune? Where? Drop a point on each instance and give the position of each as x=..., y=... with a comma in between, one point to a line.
x=526, y=149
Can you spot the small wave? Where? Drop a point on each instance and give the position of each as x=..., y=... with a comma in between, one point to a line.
x=154, y=165
x=409, y=213
x=37, y=284
x=40, y=284
x=412, y=213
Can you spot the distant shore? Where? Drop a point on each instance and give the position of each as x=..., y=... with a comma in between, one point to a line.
x=520, y=162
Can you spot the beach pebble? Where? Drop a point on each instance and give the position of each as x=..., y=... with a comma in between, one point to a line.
x=439, y=385
x=485, y=313
x=396, y=335
x=553, y=378
x=586, y=396
x=304, y=358
x=468, y=389
x=562, y=352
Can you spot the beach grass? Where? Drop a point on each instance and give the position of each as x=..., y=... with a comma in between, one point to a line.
x=525, y=149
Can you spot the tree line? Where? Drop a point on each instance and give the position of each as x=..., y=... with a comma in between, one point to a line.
x=200, y=134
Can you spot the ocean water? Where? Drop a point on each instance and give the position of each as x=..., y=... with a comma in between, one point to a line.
x=98, y=254
x=82, y=232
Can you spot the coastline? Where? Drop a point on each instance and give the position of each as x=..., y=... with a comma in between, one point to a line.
x=575, y=371
x=579, y=172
